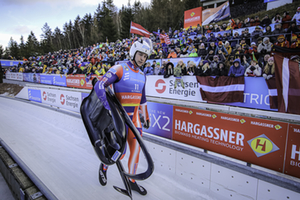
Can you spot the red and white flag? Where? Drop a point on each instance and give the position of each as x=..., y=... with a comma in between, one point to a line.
x=223, y=89
x=138, y=29
x=288, y=85
x=272, y=93
x=166, y=38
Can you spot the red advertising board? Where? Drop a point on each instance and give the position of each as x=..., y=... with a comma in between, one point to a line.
x=257, y=141
x=79, y=81
x=292, y=160
x=193, y=17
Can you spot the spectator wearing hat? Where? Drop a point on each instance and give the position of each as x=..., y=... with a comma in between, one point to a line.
x=202, y=52
x=157, y=69
x=246, y=23
x=266, y=21
x=269, y=69
x=296, y=17
x=169, y=70
x=256, y=34
x=282, y=42
x=286, y=20
x=236, y=70
x=193, y=53
x=172, y=54
x=277, y=19
x=265, y=46
x=221, y=47
x=228, y=48
x=148, y=70
x=256, y=21
x=205, y=69
x=221, y=70
x=294, y=42
x=214, y=63
x=252, y=49
x=253, y=69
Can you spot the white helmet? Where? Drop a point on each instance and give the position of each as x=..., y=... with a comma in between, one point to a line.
x=143, y=45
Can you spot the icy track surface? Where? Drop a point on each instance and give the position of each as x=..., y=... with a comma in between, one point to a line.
x=57, y=149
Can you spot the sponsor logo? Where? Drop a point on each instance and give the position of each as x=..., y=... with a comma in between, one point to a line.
x=214, y=116
x=108, y=75
x=262, y=145
x=277, y=127
x=126, y=68
x=190, y=112
x=62, y=99
x=81, y=82
x=44, y=96
x=192, y=14
x=159, y=89
x=242, y=121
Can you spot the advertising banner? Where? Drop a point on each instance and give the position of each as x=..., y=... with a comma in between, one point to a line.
x=10, y=63
x=34, y=95
x=161, y=116
x=61, y=98
x=46, y=79
x=59, y=80
x=159, y=86
x=14, y=76
x=79, y=81
x=255, y=94
x=292, y=160
x=32, y=77
x=193, y=17
x=256, y=141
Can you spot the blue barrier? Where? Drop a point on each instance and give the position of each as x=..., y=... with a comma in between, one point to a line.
x=10, y=63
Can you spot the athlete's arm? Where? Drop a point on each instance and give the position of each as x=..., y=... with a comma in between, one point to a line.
x=113, y=75
x=144, y=109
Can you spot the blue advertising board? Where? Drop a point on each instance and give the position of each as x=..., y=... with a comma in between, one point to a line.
x=161, y=116
x=31, y=77
x=35, y=95
x=10, y=63
x=59, y=80
x=46, y=79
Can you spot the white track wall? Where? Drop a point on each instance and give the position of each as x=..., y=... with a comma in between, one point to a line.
x=205, y=175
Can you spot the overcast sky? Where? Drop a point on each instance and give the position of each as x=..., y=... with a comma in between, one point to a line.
x=19, y=17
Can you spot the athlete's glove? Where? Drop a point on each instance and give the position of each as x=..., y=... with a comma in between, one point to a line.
x=100, y=91
x=147, y=124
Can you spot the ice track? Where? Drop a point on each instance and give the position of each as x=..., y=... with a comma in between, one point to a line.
x=56, y=147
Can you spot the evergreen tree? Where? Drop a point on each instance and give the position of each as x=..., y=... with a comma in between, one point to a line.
x=22, y=47
x=58, y=39
x=46, y=41
x=126, y=19
x=13, y=48
x=1, y=51
x=109, y=31
x=32, y=45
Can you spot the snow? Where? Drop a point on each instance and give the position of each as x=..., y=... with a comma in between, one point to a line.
x=56, y=147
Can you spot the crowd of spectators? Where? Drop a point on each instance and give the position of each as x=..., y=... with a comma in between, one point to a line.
x=222, y=52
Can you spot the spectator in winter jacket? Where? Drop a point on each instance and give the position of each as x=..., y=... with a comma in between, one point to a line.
x=193, y=53
x=169, y=70
x=221, y=47
x=221, y=70
x=202, y=50
x=265, y=46
x=157, y=69
x=296, y=17
x=282, y=42
x=148, y=70
x=266, y=21
x=178, y=74
x=293, y=28
x=205, y=70
x=253, y=69
x=277, y=19
x=172, y=54
x=191, y=70
x=236, y=70
x=286, y=20
x=236, y=24
x=256, y=34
